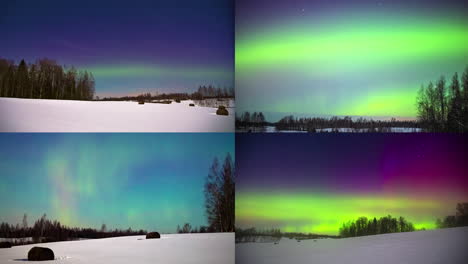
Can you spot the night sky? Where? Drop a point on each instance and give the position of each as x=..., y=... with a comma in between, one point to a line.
x=314, y=183
x=129, y=46
x=142, y=181
x=359, y=58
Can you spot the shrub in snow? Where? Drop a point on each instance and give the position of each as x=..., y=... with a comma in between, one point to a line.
x=40, y=253
x=5, y=244
x=177, y=100
x=222, y=111
x=141, y=102
x=152, y=235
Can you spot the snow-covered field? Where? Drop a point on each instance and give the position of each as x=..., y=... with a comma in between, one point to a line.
x=176, y=248
x=423, y=247
x=39, y=115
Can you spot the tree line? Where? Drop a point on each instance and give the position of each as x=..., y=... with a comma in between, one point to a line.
x=187, y=228
x=359, y=125
x=459, y=219
x=210, y=91
x=148, y=97
x=442, y=107
x=364, y=227
x=203, y=92
x=254, y=235
x=251, y=120
x=45, y=230
x=44, y=79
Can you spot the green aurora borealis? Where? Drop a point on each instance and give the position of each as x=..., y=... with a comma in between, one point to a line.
x=151, y=181
x=315, y=183
x=354, y=62
x=145, y=46
x=325, y=213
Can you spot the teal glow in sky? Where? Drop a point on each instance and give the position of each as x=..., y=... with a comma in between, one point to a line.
x=142, y=181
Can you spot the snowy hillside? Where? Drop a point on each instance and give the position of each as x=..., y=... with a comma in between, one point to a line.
x=178, y=248
x=433, y=246
x=37, y=115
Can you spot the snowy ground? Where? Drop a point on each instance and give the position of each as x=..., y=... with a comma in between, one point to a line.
x=425, y=247
x=38, y=115
x=177, y=248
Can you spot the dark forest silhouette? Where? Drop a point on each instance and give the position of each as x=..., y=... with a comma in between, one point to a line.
x=443, y=108
x=187, y=228
x=459, y=219
x=364, y=227
x=44, y=79
x=256, y=121
x=203, y=92
x=272, y=235
x=45, y=230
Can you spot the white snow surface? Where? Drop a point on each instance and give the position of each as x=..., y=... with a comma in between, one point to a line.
x=217, y=248
x=422, y=247
x=41, y=115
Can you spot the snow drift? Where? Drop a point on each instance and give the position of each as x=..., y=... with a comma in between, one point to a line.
x=176, y=248
x=433, y=246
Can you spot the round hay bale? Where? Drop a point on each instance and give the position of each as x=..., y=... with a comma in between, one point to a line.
x=152, y=235
x=40, y=254
x=191, y=104
x=5, y=244
x=222, y=111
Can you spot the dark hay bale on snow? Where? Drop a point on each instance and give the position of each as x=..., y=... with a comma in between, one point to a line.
x=152, y=235
x=40, y=253
x=191, y=104
x=222, y=111
x=141, y=102
x=5, y=244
